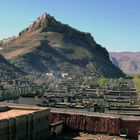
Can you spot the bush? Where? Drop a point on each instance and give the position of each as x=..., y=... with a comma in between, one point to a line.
x=102, y=80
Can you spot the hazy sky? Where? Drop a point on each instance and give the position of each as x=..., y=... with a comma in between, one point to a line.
x=115, y=24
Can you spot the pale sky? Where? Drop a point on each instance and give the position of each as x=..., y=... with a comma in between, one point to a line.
x=115, y=24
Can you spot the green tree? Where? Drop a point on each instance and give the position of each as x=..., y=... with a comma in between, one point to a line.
x=102, y=80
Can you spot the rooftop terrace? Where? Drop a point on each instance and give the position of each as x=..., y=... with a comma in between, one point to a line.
x=11, y=111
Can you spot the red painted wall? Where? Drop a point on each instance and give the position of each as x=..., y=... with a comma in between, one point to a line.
x=133, y=127
x=97, y=124
x=89, y=123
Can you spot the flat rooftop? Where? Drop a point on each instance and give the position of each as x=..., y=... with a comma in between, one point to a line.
x=14, y=111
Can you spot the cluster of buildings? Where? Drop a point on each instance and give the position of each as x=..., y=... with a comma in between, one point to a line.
x=74, y=102
x=77, y=92
x=13, y=84
x=86, y=94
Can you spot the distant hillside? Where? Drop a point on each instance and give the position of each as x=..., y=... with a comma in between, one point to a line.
x=8, y=71
x=6, y=40
x=129, y=62
x=48, y=45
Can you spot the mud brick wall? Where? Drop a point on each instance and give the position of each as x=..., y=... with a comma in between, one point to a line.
x=98, y=124
x=33, y=126
x=41, y=125
x=132, y=126
x=91, y=124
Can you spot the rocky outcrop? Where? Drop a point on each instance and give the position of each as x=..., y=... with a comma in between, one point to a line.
x=43, y=21
x=6, y=41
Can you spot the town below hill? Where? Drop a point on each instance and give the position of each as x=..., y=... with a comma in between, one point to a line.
x=51, y=64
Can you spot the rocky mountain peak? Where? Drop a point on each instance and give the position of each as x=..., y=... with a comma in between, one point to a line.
x=46, y=23
x=41, y=22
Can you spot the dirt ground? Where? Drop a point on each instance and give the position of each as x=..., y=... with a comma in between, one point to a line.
x=86, y=136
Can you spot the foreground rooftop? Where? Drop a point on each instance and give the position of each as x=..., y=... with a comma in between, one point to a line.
x=11, y=111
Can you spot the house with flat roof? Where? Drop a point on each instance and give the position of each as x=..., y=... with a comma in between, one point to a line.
x=24, y=123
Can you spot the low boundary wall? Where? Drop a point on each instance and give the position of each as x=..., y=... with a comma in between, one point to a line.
x=98, y=122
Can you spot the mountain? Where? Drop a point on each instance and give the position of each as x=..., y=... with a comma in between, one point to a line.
x=8, y=71
x=6, y=40
x=48, y=45
x=129, y=62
